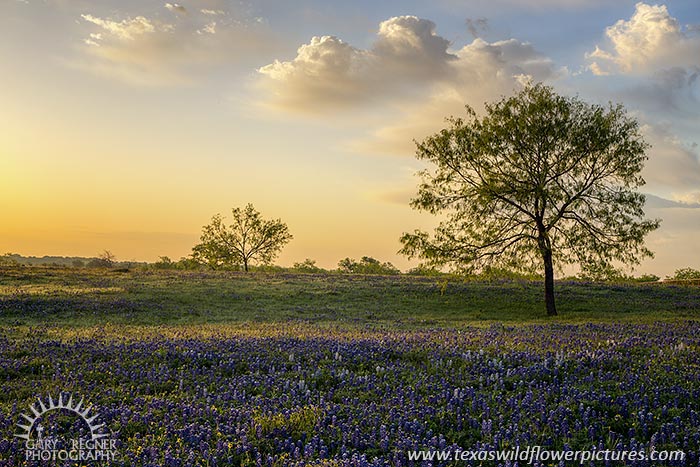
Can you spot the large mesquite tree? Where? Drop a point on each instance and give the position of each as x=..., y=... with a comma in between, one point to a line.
x=539, y=180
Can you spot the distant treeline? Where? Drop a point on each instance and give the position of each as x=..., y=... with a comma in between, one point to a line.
x=365, y=265
x=14, y=259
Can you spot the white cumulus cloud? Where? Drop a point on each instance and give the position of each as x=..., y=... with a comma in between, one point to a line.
x=651, y=39
x=407, y=58
x=328, y=72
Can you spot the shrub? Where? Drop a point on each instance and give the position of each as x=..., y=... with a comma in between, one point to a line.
x=424, y=270
x=7, y=261
x=307, y=266
x=188, y=263
x=686, y=274
x=600, y=273
x=647, y=278
x=367, y=265
x=106, y=259
x=164, y=263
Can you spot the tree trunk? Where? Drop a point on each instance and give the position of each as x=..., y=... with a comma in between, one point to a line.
x=549, y=283
x=245, y=264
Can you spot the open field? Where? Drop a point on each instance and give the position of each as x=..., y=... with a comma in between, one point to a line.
x=78, y=297
x=215, y=369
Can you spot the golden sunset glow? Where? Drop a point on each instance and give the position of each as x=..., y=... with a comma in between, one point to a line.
x=126, y=126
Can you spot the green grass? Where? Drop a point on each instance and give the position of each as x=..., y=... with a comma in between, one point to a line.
x=81, y=297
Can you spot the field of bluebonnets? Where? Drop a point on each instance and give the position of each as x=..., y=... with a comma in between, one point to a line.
x=190, y=369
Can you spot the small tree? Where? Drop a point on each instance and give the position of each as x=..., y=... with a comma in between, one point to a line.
x=248, y=239
x=540, y=179
x=307, y=266
x=7, y=261
x=164, y=262
x=188, y=263
x=106, y=259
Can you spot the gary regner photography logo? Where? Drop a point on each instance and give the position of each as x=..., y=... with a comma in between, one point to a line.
x=65, y=430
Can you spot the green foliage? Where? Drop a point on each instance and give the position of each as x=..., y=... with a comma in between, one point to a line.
x=347, y=265
x=188, y=263
x=164, y=263
x=539, y=179
x=686, y=274
x=601, y=273
x=248, y=240
x=367, y=265
x=424, y=270
x=295, y=423
x=646, y=278
x=611, y=275
x=58, y=261
x=307, y=266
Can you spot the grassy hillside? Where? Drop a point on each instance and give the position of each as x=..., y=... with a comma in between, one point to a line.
x=80, y=297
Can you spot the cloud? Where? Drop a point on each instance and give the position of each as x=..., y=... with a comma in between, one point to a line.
x=408, y=59
x=127, y=30
x=137, y=50
x=209, y=28
x=328, y=72
x=651, y=39
x=408, y=45
x=657, y=202
x=507, y=62
x=673, y=166
x=673, y=93
x=527, y=5
x=145, y=51
x=660, y=61
x=482, y=72
x=176, y=8
x=410, y=70
x=477, y=26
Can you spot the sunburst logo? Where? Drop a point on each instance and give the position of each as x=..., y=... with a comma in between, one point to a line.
x=43, y=409
x=49, y=446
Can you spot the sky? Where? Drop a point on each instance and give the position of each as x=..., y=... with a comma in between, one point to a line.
x=126, y=125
